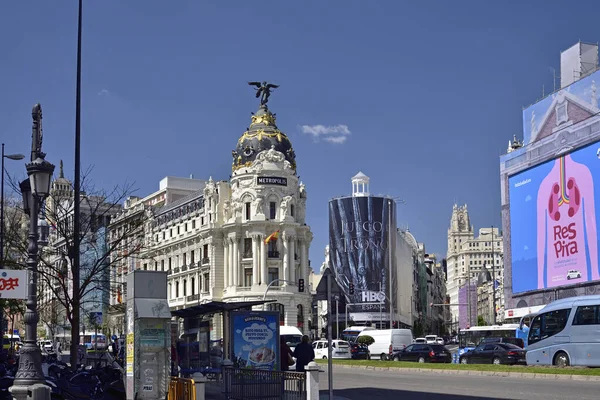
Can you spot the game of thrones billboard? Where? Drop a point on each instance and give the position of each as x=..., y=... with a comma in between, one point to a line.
x=359, y=249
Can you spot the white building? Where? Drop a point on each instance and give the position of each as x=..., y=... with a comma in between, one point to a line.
x=469, y=255
x=213, y=243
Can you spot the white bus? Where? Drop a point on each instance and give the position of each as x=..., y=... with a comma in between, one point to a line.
x=566, y=332
x=469, y=338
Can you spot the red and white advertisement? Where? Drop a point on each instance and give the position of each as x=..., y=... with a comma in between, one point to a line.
x=13, y=284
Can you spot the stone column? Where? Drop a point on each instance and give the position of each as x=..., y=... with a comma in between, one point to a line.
x=303, y=260
x=225, y=263
x=286, y=258
x=236, y=262
x=292, y=247
x=255, y=260
x=264, y=269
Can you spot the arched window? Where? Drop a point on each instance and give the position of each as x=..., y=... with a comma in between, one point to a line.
x=300, y=316
x=278, y=307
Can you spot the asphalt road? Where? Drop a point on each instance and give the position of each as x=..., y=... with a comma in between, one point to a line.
x=358, y=384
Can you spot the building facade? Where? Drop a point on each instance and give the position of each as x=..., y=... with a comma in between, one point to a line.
x=468, y=255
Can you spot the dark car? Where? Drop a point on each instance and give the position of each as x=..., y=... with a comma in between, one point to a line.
x=359, y=351
x=494, y=353
x=512, y=340
x=424, y=353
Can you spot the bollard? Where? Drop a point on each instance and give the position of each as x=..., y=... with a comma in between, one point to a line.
x=38, y=392
x=200, y=381
x=312, y=381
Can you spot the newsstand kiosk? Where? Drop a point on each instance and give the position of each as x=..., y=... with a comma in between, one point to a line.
x=148, y=342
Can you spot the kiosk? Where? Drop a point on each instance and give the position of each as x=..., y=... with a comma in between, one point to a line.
x=148, y=343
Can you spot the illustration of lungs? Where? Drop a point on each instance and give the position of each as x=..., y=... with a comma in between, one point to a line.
x=553, y=210
x=574, y=203
x=574, y=197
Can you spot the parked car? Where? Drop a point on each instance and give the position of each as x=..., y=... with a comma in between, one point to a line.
x=512, y=340
x=439, y=340
x=339, y=349
x=424, y=353
x=431, y=339
x=495, y=353
x=420, y=341
x=387, y=341
x=359, y=351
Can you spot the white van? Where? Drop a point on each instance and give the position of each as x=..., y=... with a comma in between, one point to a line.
x=388, y=340
x=291, y=335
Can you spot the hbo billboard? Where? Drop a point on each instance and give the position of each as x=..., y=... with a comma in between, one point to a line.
x=360, y=248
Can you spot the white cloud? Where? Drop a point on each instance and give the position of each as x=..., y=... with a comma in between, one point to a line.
x=331, y=133
x=335, y=139
x=103, y=92
x=528, y=198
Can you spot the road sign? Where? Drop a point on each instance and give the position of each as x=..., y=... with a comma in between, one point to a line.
x=13, y=284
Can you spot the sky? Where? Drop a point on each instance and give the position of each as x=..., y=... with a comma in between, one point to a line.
x=420, y=96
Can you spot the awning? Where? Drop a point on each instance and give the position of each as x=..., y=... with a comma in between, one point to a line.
x=152, y=308
x=215, y=307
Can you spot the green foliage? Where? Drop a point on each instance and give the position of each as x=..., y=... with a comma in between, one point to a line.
x=366, y=340
x=481, y=321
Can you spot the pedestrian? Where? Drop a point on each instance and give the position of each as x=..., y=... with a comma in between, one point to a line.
x=286, y=354
x=304, y=354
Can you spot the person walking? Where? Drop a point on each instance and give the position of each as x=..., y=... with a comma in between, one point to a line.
x=304, y=354
x=286, y=354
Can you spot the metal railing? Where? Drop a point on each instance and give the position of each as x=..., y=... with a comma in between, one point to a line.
x=182, y=389
x=255, y=384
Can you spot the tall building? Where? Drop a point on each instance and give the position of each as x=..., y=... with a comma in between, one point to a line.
x=549, y=189
x=236, y=240
x=468, y=255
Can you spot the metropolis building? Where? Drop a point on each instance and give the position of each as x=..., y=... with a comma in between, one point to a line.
x=212, y=241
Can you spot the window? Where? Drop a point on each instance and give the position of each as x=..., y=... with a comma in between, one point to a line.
x=248, y=248
x=206, y=282
x=272, y=210
x=561, y=113
x=247, y=277
x=164, y=233
x=192, y=257
x=247, y=210
x=548, y=324
x=178, y=230
x=162, y=265
x=586, y=315
x=184, y=259
x=156, y=265
x=193, y=224
x=171, y=232
x=299, y=316
x=292, y=210
x=273, y=275
x=184, y=287
x=205, y=250
x=176, y=289
x=145, y=266
x=278, y=307
x=185, y=227
x=193, y=286
x=272, y=250
x=202, y=221
x=169, y=263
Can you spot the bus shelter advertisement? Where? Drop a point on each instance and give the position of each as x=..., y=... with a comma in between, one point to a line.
x=255, y=339
x=554, y=219
x=359, y=251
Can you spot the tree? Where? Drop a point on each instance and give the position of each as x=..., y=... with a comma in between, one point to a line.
x=97, y=254
x=481, y=321
x=366, y=340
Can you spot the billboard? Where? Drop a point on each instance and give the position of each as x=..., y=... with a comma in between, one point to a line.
x=554, y=219
x=552, y=113
x=255, y=337
x=360, y=245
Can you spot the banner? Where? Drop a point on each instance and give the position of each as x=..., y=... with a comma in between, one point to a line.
x=13, y=284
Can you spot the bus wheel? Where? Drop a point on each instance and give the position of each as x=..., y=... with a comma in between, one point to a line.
x=383, y=357
x=561, y=359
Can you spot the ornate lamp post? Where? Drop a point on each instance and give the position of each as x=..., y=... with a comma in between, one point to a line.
x=34, y=191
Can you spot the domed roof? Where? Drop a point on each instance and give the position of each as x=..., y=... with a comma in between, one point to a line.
x=263, y=134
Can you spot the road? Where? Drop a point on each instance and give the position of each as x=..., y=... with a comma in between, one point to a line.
x=359, y=384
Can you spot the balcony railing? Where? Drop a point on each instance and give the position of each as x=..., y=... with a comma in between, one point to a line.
x=273, y=254
x=247, y=254
x=176, y=270
x=205, y=260
x=184, y=268
x=193, y=297
x=169, y=271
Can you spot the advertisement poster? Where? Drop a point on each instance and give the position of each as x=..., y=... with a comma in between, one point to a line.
x=129, y=352
x=554, y=219
x=13, y=284
x=255, y=336
x=359, y=249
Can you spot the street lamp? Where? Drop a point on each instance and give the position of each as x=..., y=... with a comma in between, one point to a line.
x=34, y=191
x=10, y=157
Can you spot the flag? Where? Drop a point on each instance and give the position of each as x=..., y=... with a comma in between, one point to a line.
x=272, y=236
x=119, y=298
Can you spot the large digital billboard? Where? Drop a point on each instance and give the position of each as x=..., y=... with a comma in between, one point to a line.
x=360, y=245
x=554, y=219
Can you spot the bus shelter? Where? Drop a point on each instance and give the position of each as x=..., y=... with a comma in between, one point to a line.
x=192, y=348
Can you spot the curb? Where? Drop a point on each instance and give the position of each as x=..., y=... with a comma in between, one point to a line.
x=529, y=375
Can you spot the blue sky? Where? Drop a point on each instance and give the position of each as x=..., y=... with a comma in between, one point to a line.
x=430, y=91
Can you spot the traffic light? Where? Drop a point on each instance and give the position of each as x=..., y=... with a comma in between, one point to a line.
x=351, y=288
x=301, y=285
